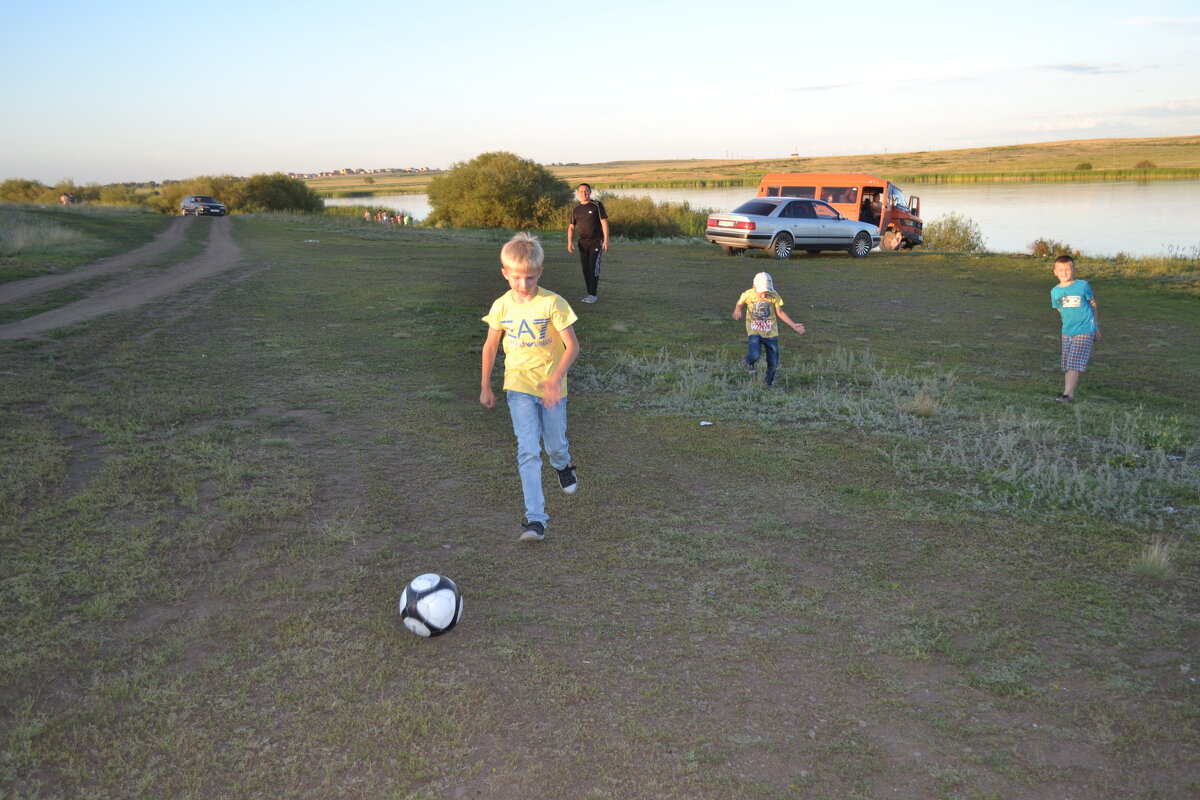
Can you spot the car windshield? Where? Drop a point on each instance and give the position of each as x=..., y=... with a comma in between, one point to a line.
x=200, y=199
x=755, y=207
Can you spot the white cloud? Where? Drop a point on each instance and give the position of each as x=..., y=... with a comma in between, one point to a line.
x=1172, y=109
x=1094, y=69
x=1178, y=24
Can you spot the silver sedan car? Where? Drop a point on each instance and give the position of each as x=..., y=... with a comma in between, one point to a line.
x=781, y=225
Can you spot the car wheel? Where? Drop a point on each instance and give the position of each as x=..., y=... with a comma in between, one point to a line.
x=861, y=245
x=781, y=247
x=732, y=251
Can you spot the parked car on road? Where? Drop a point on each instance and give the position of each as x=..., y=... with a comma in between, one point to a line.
x=198, y=205
x=782, y=225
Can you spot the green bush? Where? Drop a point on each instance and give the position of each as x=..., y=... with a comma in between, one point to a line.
x=1083, y=166
x=1145, y=163
x=498, y=190
x=21, y=190
x=1043, y=247
x=642, y=218
x=954, y=233
x=118, y=194
x=275, y=192
x=166, y=200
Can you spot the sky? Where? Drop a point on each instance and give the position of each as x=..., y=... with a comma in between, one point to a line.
x=139, y=91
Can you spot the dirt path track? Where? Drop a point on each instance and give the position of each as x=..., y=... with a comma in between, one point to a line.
x=219, y=255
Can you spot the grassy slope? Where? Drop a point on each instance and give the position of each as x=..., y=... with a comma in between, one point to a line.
x=100, y=232
x=1106, y=155
x=215, y=506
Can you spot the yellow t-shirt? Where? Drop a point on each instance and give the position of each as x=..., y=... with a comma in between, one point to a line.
x=533, y=346
x=760, y=312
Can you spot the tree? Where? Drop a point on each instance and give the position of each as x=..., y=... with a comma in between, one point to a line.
x=498, y=190
x=20, y=190
x=275, y=192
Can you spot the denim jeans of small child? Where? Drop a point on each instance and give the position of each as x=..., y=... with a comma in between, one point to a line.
x=754, y=349
x=534, y=424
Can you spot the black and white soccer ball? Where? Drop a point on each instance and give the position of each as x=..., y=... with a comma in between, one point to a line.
x=431, y=605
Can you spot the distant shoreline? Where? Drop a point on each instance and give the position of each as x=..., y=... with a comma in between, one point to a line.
x=1092, y=176
x=1086, y=160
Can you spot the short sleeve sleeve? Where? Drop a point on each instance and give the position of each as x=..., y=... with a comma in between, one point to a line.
x=493, y=316
x=563, y=316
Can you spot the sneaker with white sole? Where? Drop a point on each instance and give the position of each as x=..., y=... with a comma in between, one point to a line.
x=567, y=480
x=533, y=532
x=591, y=298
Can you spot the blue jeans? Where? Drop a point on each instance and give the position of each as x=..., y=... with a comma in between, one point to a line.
x=534, y=424
x=754, y=349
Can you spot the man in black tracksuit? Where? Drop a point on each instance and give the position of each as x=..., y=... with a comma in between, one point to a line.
x=591, y=222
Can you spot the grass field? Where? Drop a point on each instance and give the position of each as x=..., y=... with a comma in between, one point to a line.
x=904, y=572
x=1111, y=159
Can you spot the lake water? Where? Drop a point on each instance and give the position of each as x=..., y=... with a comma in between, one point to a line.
x=1099, y=218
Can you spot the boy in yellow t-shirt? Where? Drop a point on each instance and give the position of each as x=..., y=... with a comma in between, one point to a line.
x=536, y=327
x=763, y=307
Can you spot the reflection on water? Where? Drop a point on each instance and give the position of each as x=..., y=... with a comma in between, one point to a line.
x=1152, y=218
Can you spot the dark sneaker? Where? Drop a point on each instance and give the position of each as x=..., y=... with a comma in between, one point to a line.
x=533, y=532
x=1064, y=398
x=567, y=480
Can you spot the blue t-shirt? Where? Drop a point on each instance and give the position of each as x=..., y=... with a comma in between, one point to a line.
x=1074, y=304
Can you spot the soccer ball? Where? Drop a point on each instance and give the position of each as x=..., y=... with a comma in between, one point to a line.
x=430, y=605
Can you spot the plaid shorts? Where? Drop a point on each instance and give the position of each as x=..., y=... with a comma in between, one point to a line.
x=1076, y=350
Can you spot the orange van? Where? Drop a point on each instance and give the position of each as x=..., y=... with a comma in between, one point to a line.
x=857, y=196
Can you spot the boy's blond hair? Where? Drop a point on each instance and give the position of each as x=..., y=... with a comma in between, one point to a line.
x=522, y=253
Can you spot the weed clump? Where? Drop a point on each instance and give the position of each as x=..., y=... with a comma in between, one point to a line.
x=954, y=233
x=642, y=218
x=1135, y=469
x=1154, y=561
x=1043, y=248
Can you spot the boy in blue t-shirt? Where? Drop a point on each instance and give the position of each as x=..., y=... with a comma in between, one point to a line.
x=1080, y=324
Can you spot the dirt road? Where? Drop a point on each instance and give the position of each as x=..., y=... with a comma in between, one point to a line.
x=219, y=255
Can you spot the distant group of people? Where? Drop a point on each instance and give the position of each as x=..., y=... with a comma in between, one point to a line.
x=384, y=218
x=535, y=328
x=66, y=198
